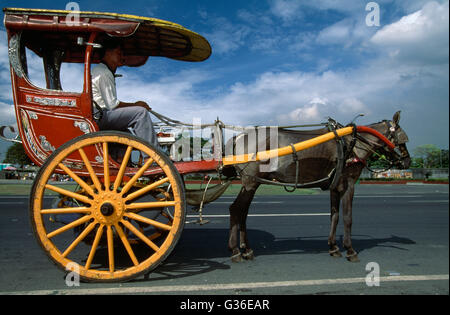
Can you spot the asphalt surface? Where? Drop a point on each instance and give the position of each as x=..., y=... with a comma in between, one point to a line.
x=404, y=229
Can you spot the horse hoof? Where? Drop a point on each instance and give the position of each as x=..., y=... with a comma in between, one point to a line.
x=248, y=255
x=236, y=258
x=335, y=252
x=353, y=257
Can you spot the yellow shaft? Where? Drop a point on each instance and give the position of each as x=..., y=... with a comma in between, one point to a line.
x=265, y=155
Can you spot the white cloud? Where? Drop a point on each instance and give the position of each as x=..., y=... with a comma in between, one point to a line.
x=286, y=9
x=337, y=5
x=175, y=96
x=336, y=33
x=72, y=77
x=307, y=113
x=5, y=84
x=292, y=98
x=421, y=37
x=3, y=49
x=226, y=37
x=7, y=114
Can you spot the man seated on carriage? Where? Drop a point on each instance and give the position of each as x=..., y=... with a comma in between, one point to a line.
x=118, y=115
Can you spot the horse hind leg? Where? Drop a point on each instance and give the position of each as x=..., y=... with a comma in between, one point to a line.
x=247, y=252
x=238, y=218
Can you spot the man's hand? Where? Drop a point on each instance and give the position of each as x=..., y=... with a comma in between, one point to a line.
x=138, y=103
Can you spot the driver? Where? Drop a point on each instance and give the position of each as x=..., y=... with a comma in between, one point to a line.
x=118, y=115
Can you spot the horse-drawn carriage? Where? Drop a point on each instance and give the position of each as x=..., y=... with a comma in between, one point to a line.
x=120, y=215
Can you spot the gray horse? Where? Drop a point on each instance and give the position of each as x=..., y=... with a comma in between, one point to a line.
x=317, y=166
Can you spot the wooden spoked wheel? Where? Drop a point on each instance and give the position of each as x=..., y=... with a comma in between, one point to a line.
x=113, y=223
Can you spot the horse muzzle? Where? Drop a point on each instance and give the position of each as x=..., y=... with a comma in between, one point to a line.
x=404, y=163
x=402, y=158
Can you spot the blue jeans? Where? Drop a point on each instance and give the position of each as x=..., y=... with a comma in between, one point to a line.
x=135, y=117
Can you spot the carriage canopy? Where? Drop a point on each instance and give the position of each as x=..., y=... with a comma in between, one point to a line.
x=59, y=30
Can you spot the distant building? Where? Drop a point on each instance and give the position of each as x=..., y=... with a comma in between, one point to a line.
x=5, y=165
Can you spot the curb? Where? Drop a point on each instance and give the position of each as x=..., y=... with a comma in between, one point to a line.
x=402, y=182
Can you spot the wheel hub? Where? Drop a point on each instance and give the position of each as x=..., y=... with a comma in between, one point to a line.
x=107, y=209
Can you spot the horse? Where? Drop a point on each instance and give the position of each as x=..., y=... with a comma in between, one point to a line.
x=333, y=165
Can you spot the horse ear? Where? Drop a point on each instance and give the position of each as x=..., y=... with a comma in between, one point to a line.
x=396, y=118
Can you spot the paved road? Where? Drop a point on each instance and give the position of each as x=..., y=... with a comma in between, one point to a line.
x=402, y=228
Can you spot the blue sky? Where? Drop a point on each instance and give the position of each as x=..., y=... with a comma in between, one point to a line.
x=279, y=62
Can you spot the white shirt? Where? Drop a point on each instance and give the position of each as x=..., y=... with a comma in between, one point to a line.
x=104, y=87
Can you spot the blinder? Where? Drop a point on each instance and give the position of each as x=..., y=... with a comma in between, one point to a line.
x=400, y=136
x=397, y=134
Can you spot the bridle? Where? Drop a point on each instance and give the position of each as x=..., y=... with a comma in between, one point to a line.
x=399, y=138
x=395, y=146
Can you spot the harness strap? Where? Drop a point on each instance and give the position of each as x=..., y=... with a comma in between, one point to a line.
x=341, y=157
x=352, y=142
x=305, y=185
x=297, y=169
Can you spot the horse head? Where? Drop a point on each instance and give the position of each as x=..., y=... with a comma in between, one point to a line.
x=395, y=151
x=400, y=155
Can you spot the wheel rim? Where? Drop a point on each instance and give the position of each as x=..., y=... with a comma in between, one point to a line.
x=110, y=219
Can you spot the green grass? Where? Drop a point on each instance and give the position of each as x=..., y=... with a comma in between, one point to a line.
x=25, y=189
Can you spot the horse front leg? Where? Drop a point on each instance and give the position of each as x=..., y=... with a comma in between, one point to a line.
x=233, y=238
x=347, y=205
x=334, y=217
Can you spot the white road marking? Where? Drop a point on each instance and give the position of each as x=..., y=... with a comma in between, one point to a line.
x=12, y=203
x=261, y=215
x=226, y=286
x=253, y=202
x=388, y=196
x=429, y=201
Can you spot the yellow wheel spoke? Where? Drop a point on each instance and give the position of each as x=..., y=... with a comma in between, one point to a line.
x=126, y=158
x=90, y=169
x=106, y=165
x=81, y=237
x=125, y=242
x=136, y=232
x=146, y=205
x=70, y=226
x=66, y=210
x=69, y=193
x=77, y=179
x=137, y=175
x=110, y=237
x=146, y=189
x=98, y=236
x=151, y=222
